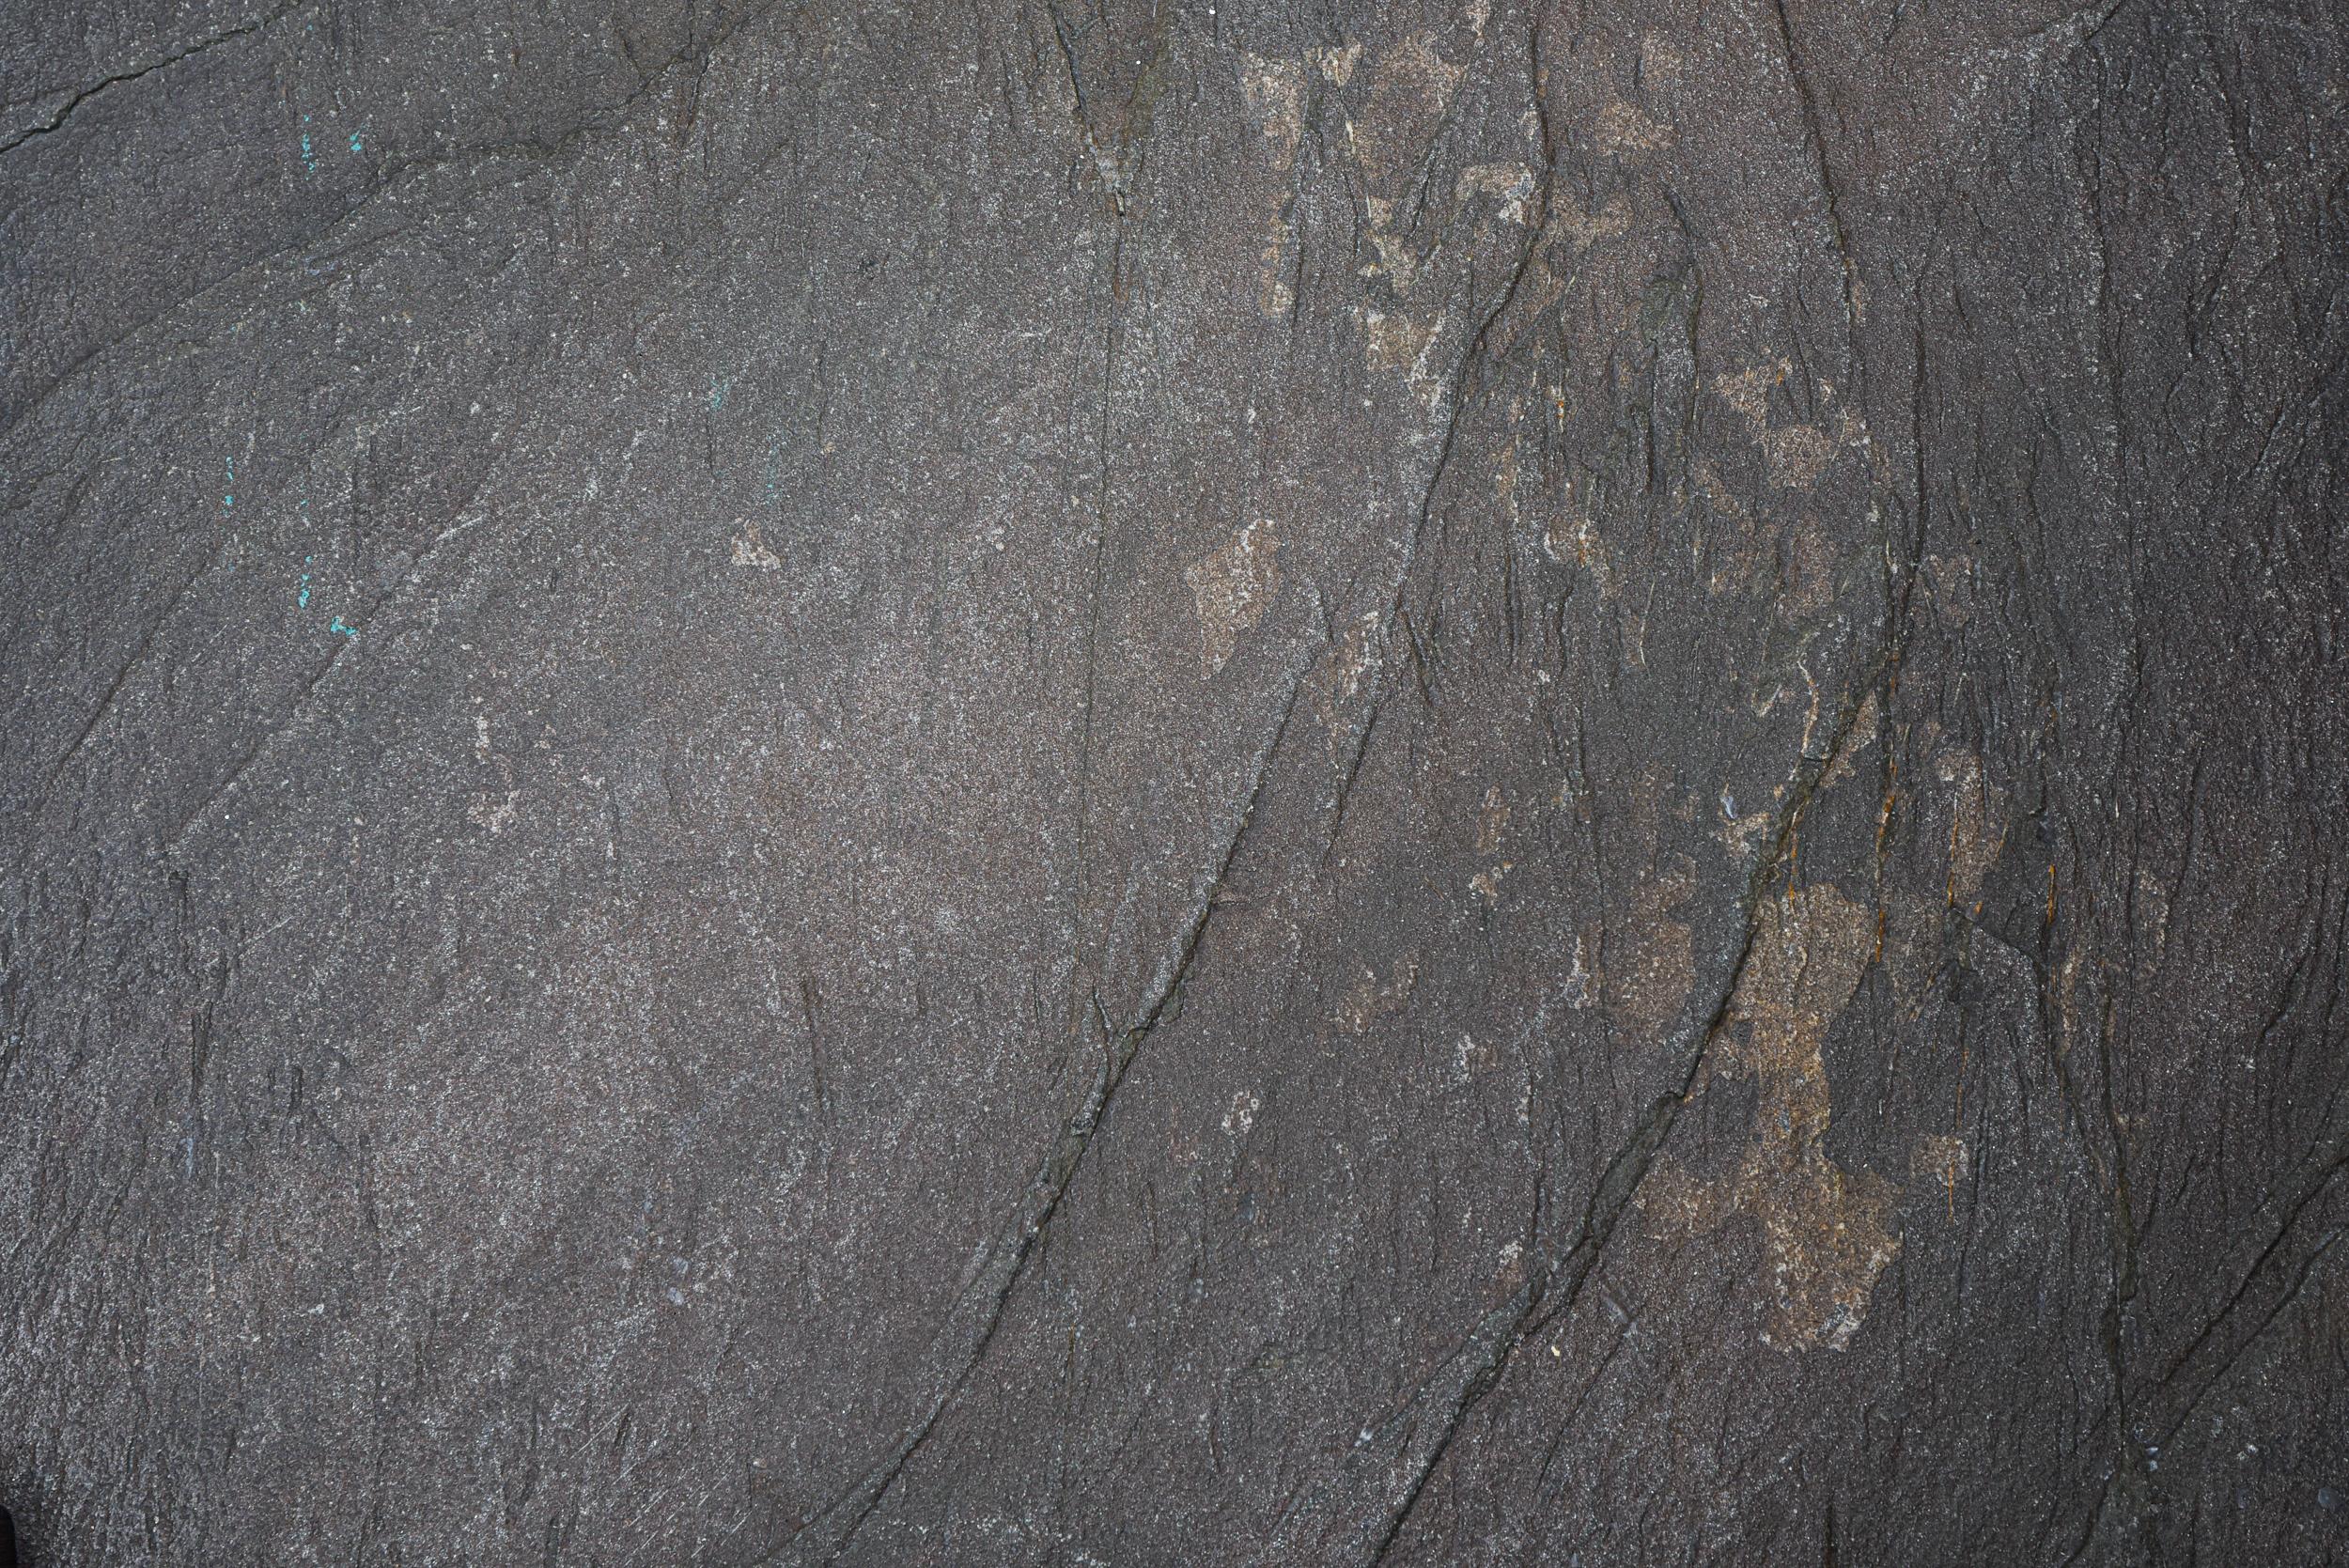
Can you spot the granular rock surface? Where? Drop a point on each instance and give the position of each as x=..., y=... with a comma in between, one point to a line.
x=1120, y=784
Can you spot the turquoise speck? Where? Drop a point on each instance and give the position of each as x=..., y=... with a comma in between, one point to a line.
x=356, y=143
x=341, y=631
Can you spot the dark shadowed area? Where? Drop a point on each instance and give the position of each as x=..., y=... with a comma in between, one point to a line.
x=1096, y=782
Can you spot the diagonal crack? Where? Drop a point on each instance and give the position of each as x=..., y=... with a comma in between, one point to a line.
x=1406, y=1445
x=962, y=1342
x=57, y=121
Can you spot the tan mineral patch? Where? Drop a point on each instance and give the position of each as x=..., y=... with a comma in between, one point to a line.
x=1827, y=1233
x=1337, y=65
x=1231, y=588
x=1623, y=128
x=1942, y=1158
x=1800, y=453
x=1276, y=95
x=1977, y=824
x=1865, y=724
x=1414, y=62
x=1586, y=229
x=1397, y=261
x=1795, y=454
x=1395, y=342
x=1660, y=57
x=488, y=811
x=1372, y=999
x=750, y=550
x=1741, y=832
x=1506, y=471
x=1653, y=979
x=1509, y=183
x=1584, y=985
x=1575, y=538
x=1274, y=296
x=1811, y=577
x=1341, y=678
x=1491, y=821
x=1748, y=391
x=1410, y=87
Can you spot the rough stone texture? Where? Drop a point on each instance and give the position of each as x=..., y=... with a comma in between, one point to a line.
x=1283, y=783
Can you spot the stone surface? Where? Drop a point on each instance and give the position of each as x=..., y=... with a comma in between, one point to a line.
x=1145, y=783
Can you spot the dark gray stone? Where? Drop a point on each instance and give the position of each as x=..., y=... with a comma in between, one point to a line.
x=1136, y=783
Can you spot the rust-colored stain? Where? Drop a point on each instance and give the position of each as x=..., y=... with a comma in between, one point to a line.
x=1827, y=1233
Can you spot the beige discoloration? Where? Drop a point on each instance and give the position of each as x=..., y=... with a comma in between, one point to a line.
x=1511, y=184
x=1864, y=725
x=1584, y=981
x=1573, y=537
x=1337, y=65
x=1793, y=565
x=750, y=550
x=1977, y=824
x=1741, y=832
x=1586, y=227
x=1827, y=1233
x=1396, y=261
x=1660, y=59
x=1796, y=455
x=1398, y=343
x=1726, y=551
x=1657, y=969
x=1276, y=95
x=1411, y=85
x=1799, y=455
x=1274, y=296
x=1942, y=1160
x=1415, y=66
x=1410, y=89
x=1395, y=342
x=1507, y=470
x=492, y=812
x=1492, y=821
x=1622, y=129
x=1242, y=1117
x=1372, y=999
x=1474, y=1056
x=1748, y=391
x=1231, y=589
x=1342, y=671
x=1485, y=884
x=1911, y=934
x=1808, y=582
